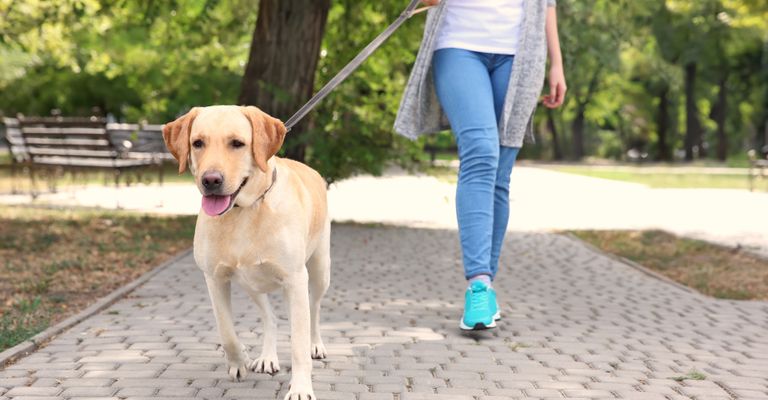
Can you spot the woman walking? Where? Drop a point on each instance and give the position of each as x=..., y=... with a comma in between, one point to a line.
x=480, y=71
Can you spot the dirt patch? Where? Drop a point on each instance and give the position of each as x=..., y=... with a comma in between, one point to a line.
x=713, y=270
x=54, y=263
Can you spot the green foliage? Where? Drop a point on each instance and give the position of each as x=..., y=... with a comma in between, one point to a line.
x=635, y=51
x=133, y=59
x=150, y=60
x=354, y=124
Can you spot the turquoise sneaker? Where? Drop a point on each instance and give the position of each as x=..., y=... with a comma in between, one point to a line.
x=478, y=313
x=494, y=304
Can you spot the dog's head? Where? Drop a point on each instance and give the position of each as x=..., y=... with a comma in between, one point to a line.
x=227, y=149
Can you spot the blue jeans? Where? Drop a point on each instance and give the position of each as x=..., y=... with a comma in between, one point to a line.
x=471, y=87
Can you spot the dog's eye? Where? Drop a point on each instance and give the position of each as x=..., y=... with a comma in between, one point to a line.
x=198, y=144
x=237, y=144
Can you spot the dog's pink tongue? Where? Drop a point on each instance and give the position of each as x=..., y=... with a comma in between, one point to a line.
x=214, y=205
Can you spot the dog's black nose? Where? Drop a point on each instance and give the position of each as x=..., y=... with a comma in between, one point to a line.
x=212, y=181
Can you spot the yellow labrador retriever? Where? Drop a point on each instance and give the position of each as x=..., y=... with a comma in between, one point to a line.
x=264, y=224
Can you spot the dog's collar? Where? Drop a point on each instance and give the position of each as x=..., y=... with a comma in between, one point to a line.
x=274, y=178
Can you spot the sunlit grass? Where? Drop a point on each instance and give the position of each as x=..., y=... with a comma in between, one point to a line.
x=665, y=179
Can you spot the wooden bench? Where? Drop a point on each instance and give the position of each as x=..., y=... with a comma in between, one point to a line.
x=18, y=151
x=757, y=166
x=55, y=144
x=435, y=150
x=140, y=142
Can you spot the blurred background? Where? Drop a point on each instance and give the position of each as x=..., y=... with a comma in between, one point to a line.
x=656, y=155
x=670, y=81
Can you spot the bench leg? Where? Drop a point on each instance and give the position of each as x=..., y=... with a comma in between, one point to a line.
x=32, y=182
x=53, y=178
x=13, y=177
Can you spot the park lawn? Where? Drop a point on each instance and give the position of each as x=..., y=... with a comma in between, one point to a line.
x=54, y=263
x=712, y=270
x=670, y=179
x=442, y=173
x=22, y=183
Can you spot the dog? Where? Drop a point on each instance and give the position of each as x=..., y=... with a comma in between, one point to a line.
x=264, y=224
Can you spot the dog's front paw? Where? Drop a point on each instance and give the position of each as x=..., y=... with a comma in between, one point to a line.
x=318, y=350
x=266, y=365
x=300, y=392
x=238, y=365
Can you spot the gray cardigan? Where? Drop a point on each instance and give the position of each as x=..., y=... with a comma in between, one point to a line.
x=420, y=111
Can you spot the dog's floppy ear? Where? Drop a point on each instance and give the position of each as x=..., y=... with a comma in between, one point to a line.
x=268, y=135
x=176, y=137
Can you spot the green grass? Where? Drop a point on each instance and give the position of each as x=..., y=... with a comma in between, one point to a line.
x=693, y=375
x=21, y=182
x=445, y=174
x=24, y=320
x=670, y=179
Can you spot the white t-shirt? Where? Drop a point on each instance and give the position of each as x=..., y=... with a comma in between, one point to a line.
x=488, y=26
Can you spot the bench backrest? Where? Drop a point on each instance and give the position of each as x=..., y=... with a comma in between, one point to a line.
x=57, y=137
x=15, y=140
x=137, y=138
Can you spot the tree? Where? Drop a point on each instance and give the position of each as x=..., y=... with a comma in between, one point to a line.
x=591, y=35
x=282, y=63
x=134, y=59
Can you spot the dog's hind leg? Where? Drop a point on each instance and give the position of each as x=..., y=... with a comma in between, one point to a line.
x=234, y=351
x=319, y=268
x=267, y=362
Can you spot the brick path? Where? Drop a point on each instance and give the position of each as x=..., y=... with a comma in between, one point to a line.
x=576, y=324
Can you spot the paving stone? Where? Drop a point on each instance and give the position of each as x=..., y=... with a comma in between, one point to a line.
x=576, y=324
x=150, y=382
x=88, y=391
x=249, y=393
x=33, y=391
x=91, y=382
x=376, y=396
x=177, y=392
x=136, y=391
x=210, y=393
x=95, y=398
x=32, y=398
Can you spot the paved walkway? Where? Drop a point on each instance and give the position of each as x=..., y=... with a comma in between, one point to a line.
x=576, y=324
x=542, y=200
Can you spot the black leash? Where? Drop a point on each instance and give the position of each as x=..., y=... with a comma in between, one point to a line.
x=352, y=65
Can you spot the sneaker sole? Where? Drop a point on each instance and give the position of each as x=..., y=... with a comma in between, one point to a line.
x=478, y=326
x=497, y=316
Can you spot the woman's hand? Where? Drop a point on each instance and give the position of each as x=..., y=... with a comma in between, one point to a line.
x=430, y=2
x=557, y=87
x=556, y=76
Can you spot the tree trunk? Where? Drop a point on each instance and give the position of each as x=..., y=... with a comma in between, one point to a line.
x=280, y=74
x=577, y=127
x=692, y=124
x=719, y=113
x=662, y=125
x=761, y=141
x=557, y=153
